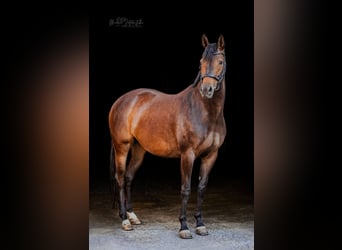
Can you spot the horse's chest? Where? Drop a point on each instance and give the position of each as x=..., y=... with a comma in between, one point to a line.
x=212, y=140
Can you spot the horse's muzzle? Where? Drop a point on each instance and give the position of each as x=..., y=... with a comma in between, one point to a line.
x=207, y=91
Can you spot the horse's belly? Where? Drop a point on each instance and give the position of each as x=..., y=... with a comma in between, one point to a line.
x=160, y=148
x=157, y=140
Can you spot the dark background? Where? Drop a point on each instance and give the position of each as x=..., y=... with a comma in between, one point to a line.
x=164, y=54
x=307, y=216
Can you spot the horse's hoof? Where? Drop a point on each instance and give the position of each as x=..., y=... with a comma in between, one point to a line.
x=133, y=218
x=126, y=225
x=185, y=234
x=201, y=231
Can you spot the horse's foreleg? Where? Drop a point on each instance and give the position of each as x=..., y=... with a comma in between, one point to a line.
x=121, y=152
x=137, y=156
x=187, y=161
x=206, y=166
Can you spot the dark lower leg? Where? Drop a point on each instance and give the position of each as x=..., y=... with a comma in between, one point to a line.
x=137, y=156
x=122, y=194
x=121, y=151
x=206, y=166
x=200, y=196
x=185, y=193
x=122, y=207
x=128, y=182
x=198, y=214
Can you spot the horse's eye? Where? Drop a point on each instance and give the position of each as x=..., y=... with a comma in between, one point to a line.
x=220, y=62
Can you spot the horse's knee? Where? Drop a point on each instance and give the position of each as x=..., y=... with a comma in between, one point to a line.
x=185, y=191
x=202, y=184
x=201, y=189
x=128, y=180
x=128, y=177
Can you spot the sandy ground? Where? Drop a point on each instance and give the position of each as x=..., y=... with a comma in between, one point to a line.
x=228, y=214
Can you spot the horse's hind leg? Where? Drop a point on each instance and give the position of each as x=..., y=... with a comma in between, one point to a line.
x=121, y=152
x=137, y=156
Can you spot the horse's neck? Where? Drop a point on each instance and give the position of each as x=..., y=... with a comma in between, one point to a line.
x=213, y=106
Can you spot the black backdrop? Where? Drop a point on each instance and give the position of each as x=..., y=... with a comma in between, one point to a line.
x=163, y=52
x=27, y=34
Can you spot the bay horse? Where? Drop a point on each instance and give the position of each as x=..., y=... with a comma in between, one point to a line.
x=186, y=125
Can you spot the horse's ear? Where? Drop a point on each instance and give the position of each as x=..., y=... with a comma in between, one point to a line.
x=220, y=43
x=205, y=41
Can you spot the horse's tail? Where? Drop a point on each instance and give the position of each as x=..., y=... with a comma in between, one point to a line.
x=113, y=185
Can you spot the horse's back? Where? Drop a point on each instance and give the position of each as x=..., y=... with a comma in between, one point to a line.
x=127, y=109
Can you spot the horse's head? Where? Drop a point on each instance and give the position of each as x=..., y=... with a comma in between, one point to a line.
x=213, y=67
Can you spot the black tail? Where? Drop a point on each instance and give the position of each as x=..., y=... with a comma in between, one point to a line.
x=113, y=185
